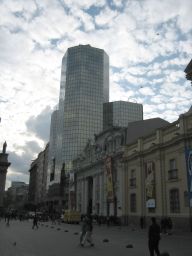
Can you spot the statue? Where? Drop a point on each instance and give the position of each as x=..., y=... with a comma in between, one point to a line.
x=4, y=147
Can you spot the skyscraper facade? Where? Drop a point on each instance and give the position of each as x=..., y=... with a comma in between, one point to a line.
x=84, y=88
x=121, y=113
x=53, y=144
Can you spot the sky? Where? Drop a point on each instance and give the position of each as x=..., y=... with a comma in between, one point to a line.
x=148, y=42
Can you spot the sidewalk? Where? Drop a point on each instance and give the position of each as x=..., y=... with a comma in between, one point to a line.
x=54, y=240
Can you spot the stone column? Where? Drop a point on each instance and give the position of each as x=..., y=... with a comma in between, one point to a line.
x=4, y=164
x=94, y=195
x=85, y=195
x=101, y=194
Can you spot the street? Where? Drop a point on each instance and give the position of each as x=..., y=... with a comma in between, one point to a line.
x=19, y=239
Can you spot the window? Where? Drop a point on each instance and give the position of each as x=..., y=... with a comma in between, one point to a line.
x=173, y=172
x=132, y=180
x=186, y=199
x=133, y=202
x=172, y=164
x=133, y=173
x=174, y=200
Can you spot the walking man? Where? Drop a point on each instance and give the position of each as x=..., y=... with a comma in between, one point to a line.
x=8, y=219
x=88, y=234
x=83, y=230
x=154, y=237
x=35, y=222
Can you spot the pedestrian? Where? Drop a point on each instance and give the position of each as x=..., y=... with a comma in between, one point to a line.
x=83, y=229
x=169, y=224
x=108, y=221
x=163, y=225
x=154, y=237
x=88, y=235
x=35, y=222
x=142, y=222
x=8, y=219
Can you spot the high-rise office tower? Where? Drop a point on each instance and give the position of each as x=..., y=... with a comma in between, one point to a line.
x=84, y=88
x=121, y=113
x=53, y=139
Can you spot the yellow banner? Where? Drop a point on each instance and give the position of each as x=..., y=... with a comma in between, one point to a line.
x=108, y=168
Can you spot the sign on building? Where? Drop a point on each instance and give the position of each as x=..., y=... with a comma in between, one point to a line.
x=150, y=184
x=108, y=169
x=188, y=156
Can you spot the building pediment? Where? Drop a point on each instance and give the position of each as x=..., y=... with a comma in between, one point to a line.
x=106, y=143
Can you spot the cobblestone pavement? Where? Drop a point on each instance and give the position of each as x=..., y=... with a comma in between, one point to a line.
x=19, y=239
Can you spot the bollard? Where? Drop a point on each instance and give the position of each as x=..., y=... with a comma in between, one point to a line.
x=129, y=246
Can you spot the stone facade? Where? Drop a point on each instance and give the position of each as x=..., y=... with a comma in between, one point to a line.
x=155, y=175
x=38, y=178
x=99, y=170
x=98, y=174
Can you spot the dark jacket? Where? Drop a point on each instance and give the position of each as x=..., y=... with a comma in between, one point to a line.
x=89, y=225
x=154, y=232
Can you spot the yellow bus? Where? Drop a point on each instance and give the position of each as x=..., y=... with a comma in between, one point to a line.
x=71, y=216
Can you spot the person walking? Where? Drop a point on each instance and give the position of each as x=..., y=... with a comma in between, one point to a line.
x=154, y=237
x=83, y=230
x=88, y=234
x=8, y=219
x=35, y=222
x=142, y=222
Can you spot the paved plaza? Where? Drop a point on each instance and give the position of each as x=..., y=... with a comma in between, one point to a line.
x=19, y=239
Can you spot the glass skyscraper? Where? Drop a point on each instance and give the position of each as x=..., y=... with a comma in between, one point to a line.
x=53, y=145
x=84, y=87
x=121, y=113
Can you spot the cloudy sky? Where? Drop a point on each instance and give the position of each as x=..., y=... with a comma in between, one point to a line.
x=148, y=42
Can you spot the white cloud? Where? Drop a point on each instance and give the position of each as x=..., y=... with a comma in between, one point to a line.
x=40, y=125
x=105, y=18
x=148, y=42
x=147, y=91
x=117, y=3
x=84, y=3
x=118, y=93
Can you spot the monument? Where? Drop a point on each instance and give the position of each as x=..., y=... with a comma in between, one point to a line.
x=4, y=164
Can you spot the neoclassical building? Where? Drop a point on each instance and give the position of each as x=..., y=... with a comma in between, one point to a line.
x=98, y=175
x=142, y=170
x=99, y=169
x=157, y=175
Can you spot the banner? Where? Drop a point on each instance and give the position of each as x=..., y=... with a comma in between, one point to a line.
x=188, y=157
x=71, y=181
x=108, y=168
x=150, y=184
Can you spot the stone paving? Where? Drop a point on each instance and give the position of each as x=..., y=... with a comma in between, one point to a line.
x=19, y=239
